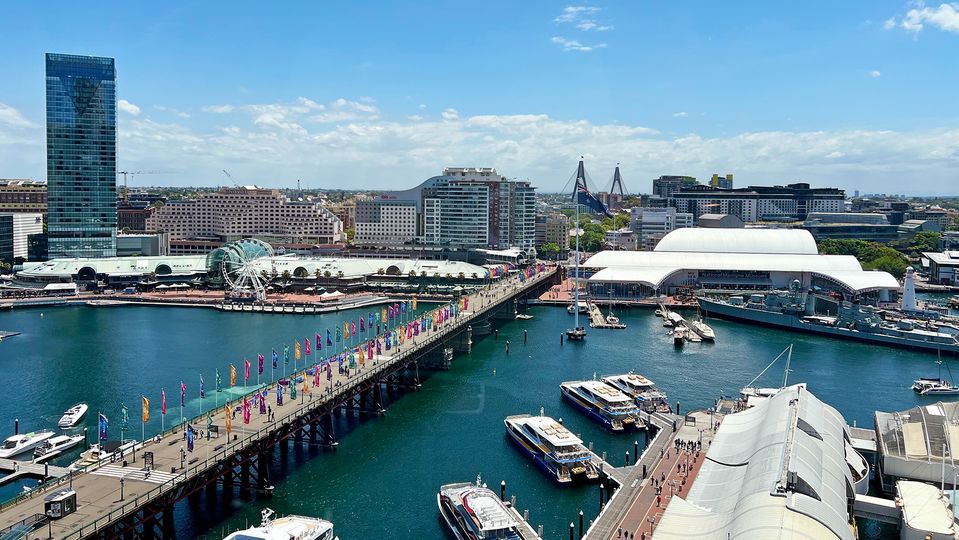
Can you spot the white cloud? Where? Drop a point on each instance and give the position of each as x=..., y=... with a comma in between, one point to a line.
x=450, y=114
x=127, y=107
x=680, y=114
x=944, y=17
x=875, y=74
x=344, y=110
x=586, y=26
x=171, y=110
x=414, y=118
x=422, y=105
x=218, y=109
x=14, y=118
x=573, y=45
x=576, y=13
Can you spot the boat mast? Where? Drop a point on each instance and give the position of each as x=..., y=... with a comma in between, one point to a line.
x=788, y=360
x=576, y=281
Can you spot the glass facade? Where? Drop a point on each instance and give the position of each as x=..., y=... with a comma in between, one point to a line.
x=81, y=156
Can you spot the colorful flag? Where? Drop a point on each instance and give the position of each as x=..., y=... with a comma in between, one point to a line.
x=189, y=438
x=246, y=410
x=338, y=334
x=346, y=330
x=466, y=302
x=279, y=394
x=329, y=339
x=352, y=328
x=293, y=387
x=146, y=410
x=275, y=359
x=263, y=396
x=329, y=372
x=182, y=393
x=403, y=307
x=383, y=313
x=286, y=354
x=379, y=350
x=202, y=393
x=319, y=343
x=316, y=375
x=229, y=419
x=362, y=325
x=103, y=423
x=162, y=401
x=306, y=342
x=246, y=370
x=414, y=302
x=217, y=379
x=232, y=375
x=306, y=387
x=296, y=352
x=369, y=322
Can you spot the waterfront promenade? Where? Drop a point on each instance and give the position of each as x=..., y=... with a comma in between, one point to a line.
x=113, y=492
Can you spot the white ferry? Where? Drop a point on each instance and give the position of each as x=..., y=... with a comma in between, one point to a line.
x=474, y=512
x=286, y=528
x=552, y=447
x=607, y=405
x=649, y=398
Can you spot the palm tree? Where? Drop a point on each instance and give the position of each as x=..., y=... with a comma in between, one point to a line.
x=317, y=274
x=381, y=271
x=449, y=276
x=461, y=275
x=474, y=276
x=423, y=273
x=326, y=274
x=412, y=273
x=286, y=276
x=339, y=275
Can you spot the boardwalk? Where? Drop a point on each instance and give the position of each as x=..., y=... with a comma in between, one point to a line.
x=115, y=490
x=20, y=469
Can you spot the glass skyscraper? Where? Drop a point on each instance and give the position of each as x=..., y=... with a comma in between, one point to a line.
x=81, y=156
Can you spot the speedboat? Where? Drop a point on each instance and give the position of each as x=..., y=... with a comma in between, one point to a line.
x=679, y=336
x=583, y=307
x=523, y=316
x=286, y=528
x=474, y=512
x=607, y=405
x=102, y=451
x=54, y=446
x=553, y=448
x=644, y=391
x=15, y=445
x=72, y=415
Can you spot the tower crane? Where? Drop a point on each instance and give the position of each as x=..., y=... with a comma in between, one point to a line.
x=133, y=173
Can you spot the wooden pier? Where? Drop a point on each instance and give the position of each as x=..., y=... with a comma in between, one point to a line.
x=125, y=499
x=28, y=469
x=598, y=320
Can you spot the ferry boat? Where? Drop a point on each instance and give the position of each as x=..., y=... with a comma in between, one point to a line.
x=15, y=445
x=72, y=415
x=474, y=512
x=286, y=528
x=552, y=447
x=607, y=405
x=860, y=323
x=649, y=398
x=54, y=446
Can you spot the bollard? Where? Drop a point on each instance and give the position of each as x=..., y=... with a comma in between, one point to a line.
x=644, y=471
x=502, y=490
x=627, y=458
x=16, y=426
x=677, y=408
x=572, y=531
x=580, y=523
x=496, y=333
x=561, y=338
x=525, y=335
x=636, y=449
x=602, y=494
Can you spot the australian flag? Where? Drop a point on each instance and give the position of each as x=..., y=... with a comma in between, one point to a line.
x=584, y=197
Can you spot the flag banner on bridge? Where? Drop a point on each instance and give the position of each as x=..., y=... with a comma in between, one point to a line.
x=319, y=343
x=103, y=423
x=232, y=375
x=263, y=395
x=352, y=328
x=146, y=410
x=229, y=419
x=246, y=410
x=414, y=301
x=286, y=354
x=362, y=324
x=182, y=393
x=306, y=345
x=162, y=404
x=329, y=339
x=279, y=394
x=259, y=364
x=202, y=392
x=296, y=352
x=189, y=438
x=246, y=370
x=274, y=359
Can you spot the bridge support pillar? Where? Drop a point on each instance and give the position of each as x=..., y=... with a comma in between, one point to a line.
x=245, y=476
x=166, y=523
x=330, y=439
x=314, y=427
x=377, y=404
x=263, y=472
x=149, y=528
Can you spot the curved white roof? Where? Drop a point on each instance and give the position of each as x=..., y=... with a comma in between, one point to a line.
x=782, y=241
x=863, y=281
x=116, y=266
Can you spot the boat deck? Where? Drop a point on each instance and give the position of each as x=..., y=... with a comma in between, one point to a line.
x=28, y=469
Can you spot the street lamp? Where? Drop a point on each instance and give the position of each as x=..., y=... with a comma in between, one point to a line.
x=121, y=488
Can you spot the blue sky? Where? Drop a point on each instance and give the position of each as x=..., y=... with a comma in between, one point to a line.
x=859, y=95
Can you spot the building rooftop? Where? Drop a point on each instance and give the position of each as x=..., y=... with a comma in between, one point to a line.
x=925, y=508
x=767, y=241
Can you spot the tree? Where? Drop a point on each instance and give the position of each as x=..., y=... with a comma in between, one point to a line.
x=549, y=250
x=327, y=274
x=286, y=275
x=872, y=255
x=461, y=275
x=317, y=274
x=925, y=241
x=380, y=271
x=592, y=241
x=423, y=273
x=412, y=273
x=339, y=275
x=350, y=234
x=474, y=275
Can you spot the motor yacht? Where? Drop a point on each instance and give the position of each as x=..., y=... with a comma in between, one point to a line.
x=15, y=445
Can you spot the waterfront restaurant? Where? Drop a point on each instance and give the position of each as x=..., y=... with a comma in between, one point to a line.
x=733, y=261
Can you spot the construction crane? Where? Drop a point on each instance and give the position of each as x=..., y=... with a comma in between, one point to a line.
x=133, y=173
x=229, y=176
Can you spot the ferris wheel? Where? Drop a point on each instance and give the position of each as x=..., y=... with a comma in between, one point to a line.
x=240, y=270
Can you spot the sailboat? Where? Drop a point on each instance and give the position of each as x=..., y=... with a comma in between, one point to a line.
x=938, y=386
x=581, y=195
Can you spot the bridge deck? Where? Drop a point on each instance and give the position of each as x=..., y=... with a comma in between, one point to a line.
x=98, y=489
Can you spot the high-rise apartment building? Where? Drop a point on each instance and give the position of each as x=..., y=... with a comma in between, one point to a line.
x=760, y=203
x=462, y=208
x=15, y=230
x=652, y=224
x=665, y=186
x=81, y=156
x=722, y=182
x=247, y=211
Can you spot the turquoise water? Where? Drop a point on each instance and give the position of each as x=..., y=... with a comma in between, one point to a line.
x=382, y=480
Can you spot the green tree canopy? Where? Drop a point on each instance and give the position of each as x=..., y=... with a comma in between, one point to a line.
x=872, y=255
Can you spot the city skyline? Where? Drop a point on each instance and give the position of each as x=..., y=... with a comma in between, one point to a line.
x=334, y=95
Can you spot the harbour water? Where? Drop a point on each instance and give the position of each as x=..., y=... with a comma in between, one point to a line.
x=382, y=480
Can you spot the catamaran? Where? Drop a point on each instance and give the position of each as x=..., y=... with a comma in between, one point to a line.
x=286, y=528
x=72, y=415
x=552, y=447
x=927, y=386
x=474, y=512
x=15, y=445
x=607, y=405
x=649, y=398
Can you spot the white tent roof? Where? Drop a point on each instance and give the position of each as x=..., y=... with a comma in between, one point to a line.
x=724, y=261
x=782, y=241
x=777, y=470
x=863, y=281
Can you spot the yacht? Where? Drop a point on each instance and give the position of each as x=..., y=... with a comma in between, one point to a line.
x=474, y=512
x=583, y=307
x=702, y=330
x=15, y=445
x=679, y=336
x=72, y=415
x=552, y=447
x=54, y=446
x=938, y=386
x=607, y=405
x=286, y=528
x=99, y=452
x=642, y=390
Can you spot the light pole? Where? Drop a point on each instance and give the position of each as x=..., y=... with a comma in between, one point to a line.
x=121, y=488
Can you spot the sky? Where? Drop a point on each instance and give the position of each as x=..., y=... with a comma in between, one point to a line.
x=382, y=95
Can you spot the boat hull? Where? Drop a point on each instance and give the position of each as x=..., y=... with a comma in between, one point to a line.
x=536, y=456
x=594, y=413
x=779, y=320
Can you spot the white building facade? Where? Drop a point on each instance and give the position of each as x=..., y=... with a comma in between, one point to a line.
x=652, y=224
